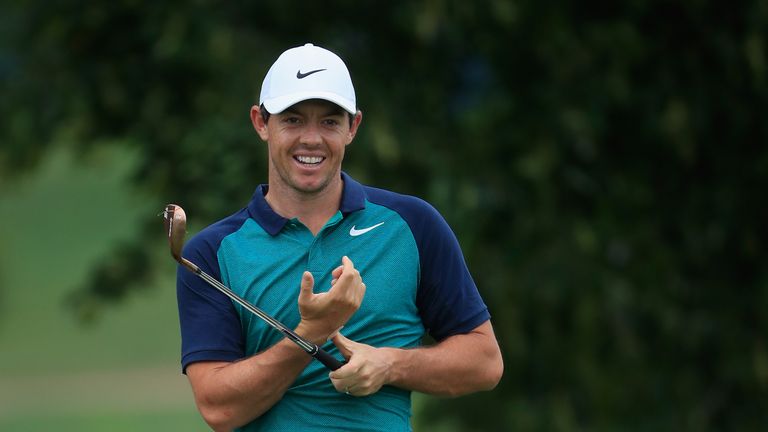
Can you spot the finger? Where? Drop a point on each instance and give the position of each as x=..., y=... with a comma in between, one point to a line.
x=338, y=385
x=307, y=283
x=349, y=271
x=346, y=347
x=336, y=273
x=342, y=377
x=347, y=264
x=342, y=385
x=347, y=274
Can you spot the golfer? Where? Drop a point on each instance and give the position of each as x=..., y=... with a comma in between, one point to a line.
x=363, y=272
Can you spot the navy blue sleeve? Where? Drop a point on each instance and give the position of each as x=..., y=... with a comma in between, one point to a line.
x=447, y=298
x=210, y=325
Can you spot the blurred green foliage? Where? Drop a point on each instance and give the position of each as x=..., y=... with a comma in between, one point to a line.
x=602, y=163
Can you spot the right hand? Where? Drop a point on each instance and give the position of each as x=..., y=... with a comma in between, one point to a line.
x=324, y=313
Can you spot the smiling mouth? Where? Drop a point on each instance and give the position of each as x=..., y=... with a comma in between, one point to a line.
x=309, y=160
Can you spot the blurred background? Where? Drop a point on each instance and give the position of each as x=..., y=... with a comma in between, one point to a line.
x=603, y=164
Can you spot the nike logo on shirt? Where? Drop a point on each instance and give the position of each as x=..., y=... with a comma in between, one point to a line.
x=300, y=75
x=354, y=232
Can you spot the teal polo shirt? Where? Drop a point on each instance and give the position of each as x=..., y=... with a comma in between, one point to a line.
x=416, y=282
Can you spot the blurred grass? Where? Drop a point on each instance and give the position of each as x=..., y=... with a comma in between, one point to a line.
x=118, y=373
x=114, y=422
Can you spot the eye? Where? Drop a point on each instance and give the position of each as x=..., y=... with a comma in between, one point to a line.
x=292, y=120
x=332, y=122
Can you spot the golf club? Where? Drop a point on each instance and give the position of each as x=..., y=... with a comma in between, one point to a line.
x=175, y=220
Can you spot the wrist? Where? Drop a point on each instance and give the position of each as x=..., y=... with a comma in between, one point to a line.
x=312, y=333
x=396, y=360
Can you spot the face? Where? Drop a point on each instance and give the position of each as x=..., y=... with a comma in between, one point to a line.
x=306, y=145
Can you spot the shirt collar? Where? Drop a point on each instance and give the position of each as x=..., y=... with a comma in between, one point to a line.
x=353, y=195
x=352, y=199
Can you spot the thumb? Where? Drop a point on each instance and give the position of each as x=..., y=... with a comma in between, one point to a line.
x=307, y=283
x=346, y=347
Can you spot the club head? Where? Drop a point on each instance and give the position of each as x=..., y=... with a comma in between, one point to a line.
x=175, y=221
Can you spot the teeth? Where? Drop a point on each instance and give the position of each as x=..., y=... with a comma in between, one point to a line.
x=309, y=159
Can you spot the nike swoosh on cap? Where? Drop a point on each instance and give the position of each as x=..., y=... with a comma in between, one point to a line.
x=354, y=232
x=300, y=75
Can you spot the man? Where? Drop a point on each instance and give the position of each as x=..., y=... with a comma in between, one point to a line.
x=301, y=250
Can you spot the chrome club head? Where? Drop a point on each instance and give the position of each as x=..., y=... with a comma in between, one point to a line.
x=175, y=221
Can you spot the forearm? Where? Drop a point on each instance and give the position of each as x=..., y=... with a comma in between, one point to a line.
x=229, y=395
x=456, y=366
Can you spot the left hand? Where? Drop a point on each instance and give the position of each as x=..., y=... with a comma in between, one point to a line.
x=324, y=313
x=366, y=370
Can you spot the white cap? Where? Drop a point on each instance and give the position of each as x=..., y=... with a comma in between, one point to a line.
x=307, y=72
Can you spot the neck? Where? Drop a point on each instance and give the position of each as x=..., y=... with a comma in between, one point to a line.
x=313, y=209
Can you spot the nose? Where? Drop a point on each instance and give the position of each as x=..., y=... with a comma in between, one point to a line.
x=311, y=135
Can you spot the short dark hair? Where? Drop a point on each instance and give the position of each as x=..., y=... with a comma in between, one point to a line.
x=265, y=115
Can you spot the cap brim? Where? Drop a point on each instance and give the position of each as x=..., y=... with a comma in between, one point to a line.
x=279, y=104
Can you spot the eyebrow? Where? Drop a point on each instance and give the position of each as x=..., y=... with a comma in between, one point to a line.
x=333, y=110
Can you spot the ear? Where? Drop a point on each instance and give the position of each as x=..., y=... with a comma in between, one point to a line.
x=354, y=126
x=258, y=122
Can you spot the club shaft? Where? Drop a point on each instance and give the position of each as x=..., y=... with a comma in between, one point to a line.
x=175, y=223
x=304, y=344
